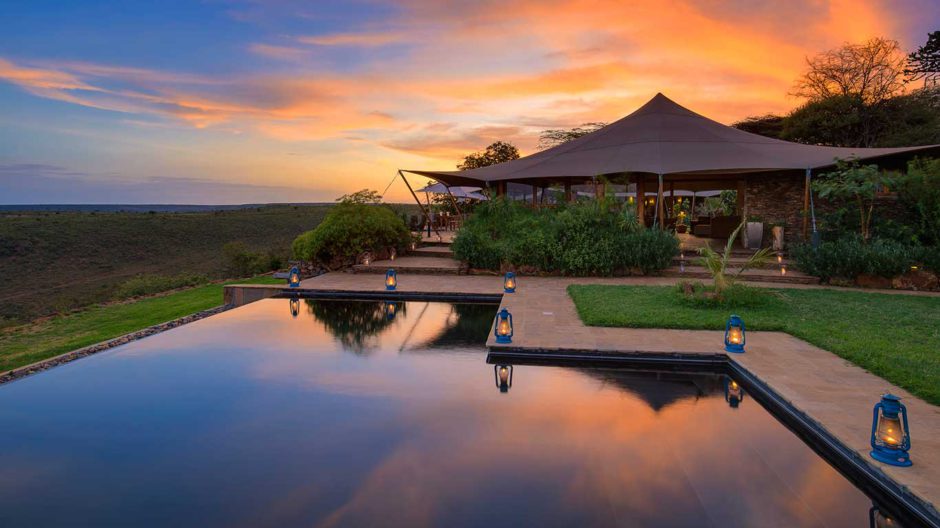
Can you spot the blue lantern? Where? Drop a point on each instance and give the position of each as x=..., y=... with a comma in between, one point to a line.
x=890, y=436
x=734, y=394
x=734, y=335
x=293, y=278
x=503, y=376
x=294, y=307
x=391, y=279
x=509, y=282
x=503, y=329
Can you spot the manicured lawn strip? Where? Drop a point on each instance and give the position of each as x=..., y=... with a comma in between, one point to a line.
x=896, y=337
x=41, y=340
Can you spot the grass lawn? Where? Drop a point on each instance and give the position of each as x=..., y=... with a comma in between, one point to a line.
x=33, y=342
x=896, y=337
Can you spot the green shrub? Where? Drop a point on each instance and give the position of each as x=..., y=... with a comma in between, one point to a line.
x=350, y=229
x=239, y=261
x=576, y=239
x=151, y=284
x=650, y=250
x=849, y=257
x=887, y=258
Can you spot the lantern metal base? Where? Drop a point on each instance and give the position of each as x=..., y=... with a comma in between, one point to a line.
x=734, y=349
x=389, y=288
x=892, y=457
x=292, y=285
x=503, y=339
x=509, y=290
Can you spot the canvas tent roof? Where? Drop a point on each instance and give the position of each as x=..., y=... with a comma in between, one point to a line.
x=662, y=137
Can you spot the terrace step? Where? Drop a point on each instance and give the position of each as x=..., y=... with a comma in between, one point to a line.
x=735, y=261
x=410, y=264
x=753, y=275
x=442, y=251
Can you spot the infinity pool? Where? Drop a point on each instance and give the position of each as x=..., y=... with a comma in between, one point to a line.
x=338, y=413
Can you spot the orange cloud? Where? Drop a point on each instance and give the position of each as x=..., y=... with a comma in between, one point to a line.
x=365, y=39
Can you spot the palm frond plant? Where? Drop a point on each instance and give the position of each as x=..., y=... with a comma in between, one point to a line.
x=717, y=263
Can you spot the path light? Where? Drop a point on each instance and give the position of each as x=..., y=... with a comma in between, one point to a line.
x=392, y=253
x=391, y=279
x=390, y=310
x=509, y=282
x=503, y=326
x=734, y=394
x=890, y=437
x=294, y=307
x=783, y=270
x=779, y=258
x=293, y=278
x=734, y=335
x=503, y=376
x=414, y=245
x=366, y=259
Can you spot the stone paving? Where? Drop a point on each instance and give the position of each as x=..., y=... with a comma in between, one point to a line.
x=835, y=393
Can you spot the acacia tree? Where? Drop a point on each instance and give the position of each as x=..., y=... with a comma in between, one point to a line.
x=856, y=183
x=556, y=136
x=872, y=71
x=924, y=63
x=497, y=152
x=364, y=196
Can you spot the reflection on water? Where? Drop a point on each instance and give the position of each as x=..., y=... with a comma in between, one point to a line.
x=258, y=417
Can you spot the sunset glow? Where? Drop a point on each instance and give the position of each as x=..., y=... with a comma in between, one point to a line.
x=252, y=101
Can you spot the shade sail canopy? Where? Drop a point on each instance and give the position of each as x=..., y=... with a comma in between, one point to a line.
x=458, y=192
x=662, y=137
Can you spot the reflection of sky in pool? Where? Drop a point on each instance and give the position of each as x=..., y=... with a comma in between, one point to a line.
x=255, y=417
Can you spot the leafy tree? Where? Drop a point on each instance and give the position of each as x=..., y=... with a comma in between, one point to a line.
x=919, y=197
x=857, y=184
x=924, y=63
x=872, y=71
x=495, y=153
x=364, y=196
x=770, y=125
x=556, y=136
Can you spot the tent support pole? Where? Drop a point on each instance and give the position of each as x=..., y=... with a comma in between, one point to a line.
x=453, y=200
x=535, y=196
x=660, y=210
x=567, y=190
x=427, y=216
x=641, y=199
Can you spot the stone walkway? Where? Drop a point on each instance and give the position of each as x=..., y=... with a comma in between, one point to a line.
x=834, y=393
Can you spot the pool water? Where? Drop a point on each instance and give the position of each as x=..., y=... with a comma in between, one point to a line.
x=340, y=413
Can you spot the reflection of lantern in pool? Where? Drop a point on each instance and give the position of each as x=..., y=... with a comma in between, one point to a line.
x=879, y=519
x=392, y=253
x=390, y=310
x=293, y=278
x=734, y=394
x=734, y=334
x=509, y=282
x=294, y=307
x=391, y=279
x=503, y=376
x=890, y=436
x=503, y=329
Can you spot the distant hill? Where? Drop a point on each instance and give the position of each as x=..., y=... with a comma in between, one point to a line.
x=53, y=261
x=142, y=208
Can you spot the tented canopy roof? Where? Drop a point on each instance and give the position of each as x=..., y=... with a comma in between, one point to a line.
x=662, y=137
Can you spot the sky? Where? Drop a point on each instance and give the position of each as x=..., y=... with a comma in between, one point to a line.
x=248, y=101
